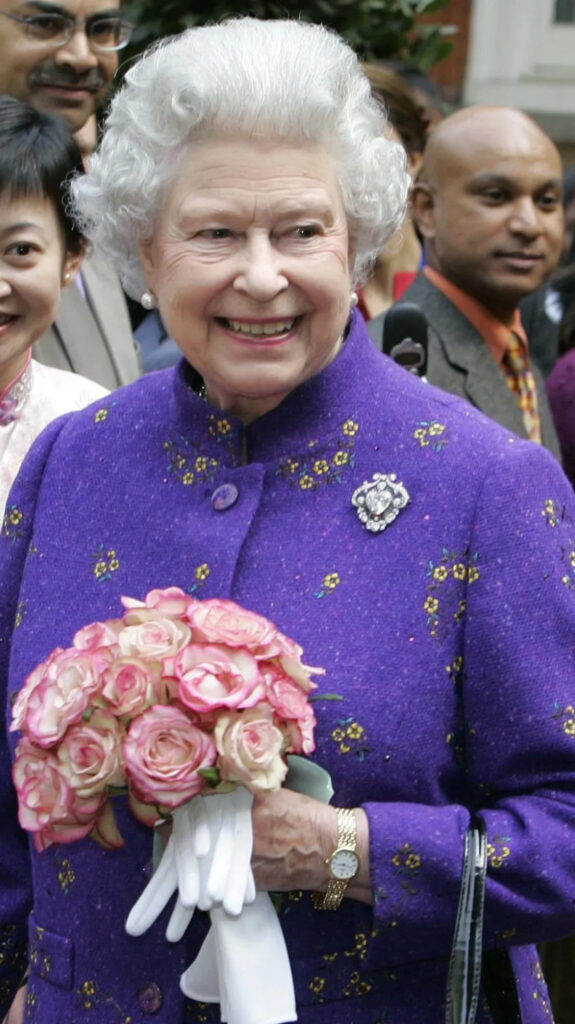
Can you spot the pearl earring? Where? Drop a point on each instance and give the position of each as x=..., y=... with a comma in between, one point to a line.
x=353, y=299
x=148, y=300
x=67, y=276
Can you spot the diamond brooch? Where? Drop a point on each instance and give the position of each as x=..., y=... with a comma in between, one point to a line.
x=379, y=501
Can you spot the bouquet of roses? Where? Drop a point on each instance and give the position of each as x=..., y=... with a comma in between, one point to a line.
x=178, y=697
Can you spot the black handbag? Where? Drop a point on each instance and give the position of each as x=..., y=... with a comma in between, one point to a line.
x=470, y=969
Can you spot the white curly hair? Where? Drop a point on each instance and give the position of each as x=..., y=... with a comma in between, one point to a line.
x=285, y=80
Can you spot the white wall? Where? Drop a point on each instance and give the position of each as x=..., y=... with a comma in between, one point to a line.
x=517, y=56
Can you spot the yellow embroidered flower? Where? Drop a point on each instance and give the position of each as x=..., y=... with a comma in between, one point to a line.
x=317, y=985
x=88, y=988
x=461, y=609
x=572, y=559
x=436, y=429
x=350, y=428
x=15, y=517
x=114, y=564
x=344, y=748
x=180, y=462
x=292, y=465
x=355, y=731
x=202, y=572
x=331, y=581
x=99, y=569
x=413, y=861
x=441, y=572
x=459, y=571
x=320, y=467
x=338, y=734
x=100, y=415
x=306, y=482
x=569, y=727
x=188, y=478
x=201, y=464
x=473, y=573
x=431, y=605
x=419, y=433
x=341, y=458
x=223, y=427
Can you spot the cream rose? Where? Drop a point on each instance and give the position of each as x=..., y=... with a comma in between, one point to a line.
x=250, y=748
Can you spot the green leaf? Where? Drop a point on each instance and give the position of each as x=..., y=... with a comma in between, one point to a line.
x=324, y=696
x=211, y=775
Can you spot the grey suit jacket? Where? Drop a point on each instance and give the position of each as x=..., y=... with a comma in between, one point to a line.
x=93, y=335
x=459, y=361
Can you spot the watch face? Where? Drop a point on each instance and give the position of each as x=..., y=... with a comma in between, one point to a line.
x=344, y=864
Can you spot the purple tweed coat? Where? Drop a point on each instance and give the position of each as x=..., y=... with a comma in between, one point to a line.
x=449, y=636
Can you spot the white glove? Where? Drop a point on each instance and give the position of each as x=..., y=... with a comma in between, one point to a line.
x=206, y=862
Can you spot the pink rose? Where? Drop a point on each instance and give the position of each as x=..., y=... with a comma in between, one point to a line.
x=163, y=753
x=212, y=676
x=98, y=634
x=301, y=674
x=288, y=699
x=62, y=689
x=132, y=685
x=148, y=636
x=300, y=733
x=34, y=679
x=90, y=755
x=47, y=805
x=225, y=622
x=171, y=601
x=250, y=748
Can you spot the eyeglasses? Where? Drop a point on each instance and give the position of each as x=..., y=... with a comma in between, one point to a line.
x=105, y=33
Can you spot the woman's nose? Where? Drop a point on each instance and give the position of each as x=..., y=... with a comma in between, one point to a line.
x=261, y=275
x=5, y=286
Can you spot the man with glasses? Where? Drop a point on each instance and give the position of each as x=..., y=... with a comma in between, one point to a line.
x=61, y=58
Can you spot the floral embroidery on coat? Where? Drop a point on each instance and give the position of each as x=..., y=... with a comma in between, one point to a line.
x=566, y=717
x=350, y=738
x=12, y=522
x=445, y=604
x=188, y=463
x=322, y=464
x=201, y=573
x=330, y=583
x=105, y=563
x=498, y=851
x=431, y=434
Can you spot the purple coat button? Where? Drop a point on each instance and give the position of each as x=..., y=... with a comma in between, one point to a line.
x=224, y=497
x=150, y=998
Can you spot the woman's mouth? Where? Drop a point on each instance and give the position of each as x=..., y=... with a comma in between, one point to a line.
x=259, y=329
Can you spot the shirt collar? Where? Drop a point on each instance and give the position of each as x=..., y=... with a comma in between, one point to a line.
x=493, y=331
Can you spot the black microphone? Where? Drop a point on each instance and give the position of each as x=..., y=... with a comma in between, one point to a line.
x=405, y=337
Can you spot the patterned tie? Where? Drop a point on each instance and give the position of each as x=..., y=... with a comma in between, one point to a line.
x=521, y=381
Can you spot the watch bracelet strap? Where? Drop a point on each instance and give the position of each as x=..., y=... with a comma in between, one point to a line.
x=346, y=839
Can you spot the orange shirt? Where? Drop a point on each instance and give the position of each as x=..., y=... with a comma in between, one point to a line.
x=493, y=331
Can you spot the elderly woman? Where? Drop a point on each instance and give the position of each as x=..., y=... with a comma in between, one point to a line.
x=419, y=553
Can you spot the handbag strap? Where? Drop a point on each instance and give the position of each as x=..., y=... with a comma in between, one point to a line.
x=464, y=973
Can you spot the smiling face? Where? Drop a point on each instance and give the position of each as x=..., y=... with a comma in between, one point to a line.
x=489, y=205
x=32, y=270
x=250, y=264
x=70, y=80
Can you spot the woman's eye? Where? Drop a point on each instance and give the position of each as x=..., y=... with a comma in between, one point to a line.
x=215, y=233
x=306, y=231
x=22, y=249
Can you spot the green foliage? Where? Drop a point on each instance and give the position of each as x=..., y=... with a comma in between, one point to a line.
x=376, y=29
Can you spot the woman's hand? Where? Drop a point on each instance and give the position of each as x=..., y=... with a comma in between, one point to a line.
x=294, y=836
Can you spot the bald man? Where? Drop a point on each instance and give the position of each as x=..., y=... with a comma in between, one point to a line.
x=488, y=205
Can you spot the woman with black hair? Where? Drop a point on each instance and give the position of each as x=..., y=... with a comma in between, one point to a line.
x=41, y=250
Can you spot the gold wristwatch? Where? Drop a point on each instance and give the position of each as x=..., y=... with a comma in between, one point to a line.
x=344, y=862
